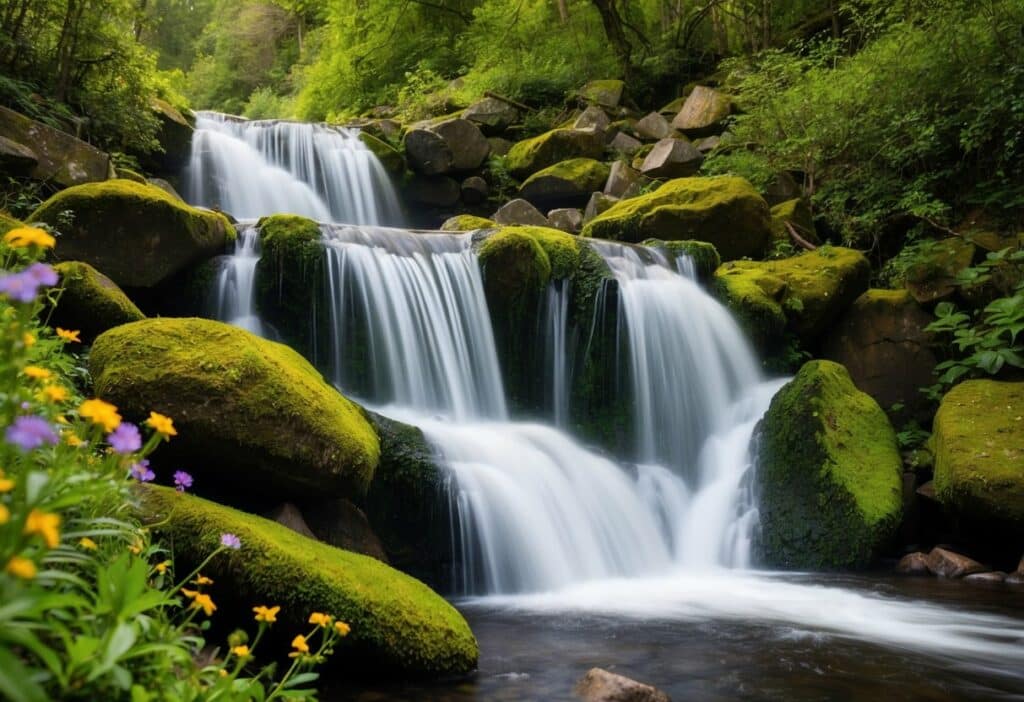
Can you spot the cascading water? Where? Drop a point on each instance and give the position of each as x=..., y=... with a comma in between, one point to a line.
x=556, y=350
x=236, y=282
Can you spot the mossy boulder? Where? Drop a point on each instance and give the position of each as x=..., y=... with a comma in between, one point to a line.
x=390, y=158
x=399, y=627
x=703, y=255
x=723, y=210
x=91, y=302
x=253, y=416
x=175, y=138
x=60, y=158
x=754, y=297
x=531, y=155
x=796, y=213
x=137, y=234
x=828, y=475
x=566, y=184
x=933, y=275
x=703, y=113
x=467, y=223
x=606, y=93
x=978, y=443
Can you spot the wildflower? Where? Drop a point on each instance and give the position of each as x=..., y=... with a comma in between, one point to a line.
x=202, y=580
x=141, y=472
x=69, y=336
x=19, y=287
x=223, y=673
x=161, y=425
x=241, y=651
x=101, y=413
x=162, y=567
x=6, y=484
x=342, y=628
x=191, y=594
x=87, y=543
x=54, y=393
x=125, y=439
x=21, y=567
x=136, y=547
x=320, y=619
x=46, y=524
x=5, y=514
x=72, y=439
x=266, y=614
x=300, y=646
x=29, y=433
x=37, y=373
x=23, y=237
x=203, y=602
x=29, y=340
x=182, y=480
x=230, y=540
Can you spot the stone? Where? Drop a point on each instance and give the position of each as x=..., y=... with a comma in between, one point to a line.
x=933, y=275
x=531, y=155
x=90, y=301
x=343, y=525
x=829, y=474
x=467, y=223
x=166, y=187
x=467, y=143
x=389, y=157
x=175, y=138
x=16, y=159
x=708, y=144
x=1016, y=578
x=288, y=515
x=796, y=213
x=567, y=183
x=606, y=93
x=704, y=112
x=592, y=118
x=949, y=564
x=60, y=158
x=913, y=564
x=566, y=219
x=137, y=234
x=672, y=158
x=625, y=144
x=600, y=685
x=597, y=204
x=499, y=146
x=428, y=153
x=519, y=212
x=783, y=187
x=624, y=181
x=493, y=116
x=653, y=127
x=992, y=577
x=433, y=191
x=474, y=190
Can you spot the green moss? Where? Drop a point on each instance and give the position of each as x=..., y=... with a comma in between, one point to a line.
x=467, y=223
x=828, y=473
x=399, y=626
x=704, y=255
x=390, y=158
x=584, y=174
x=933, y=273
x=978, y=441
x=531, y=155
x=723, y=210
x=798, y=214
x=90, y=301
x=129, y=174
x=252, y=412
x=755, y=299
x=603, y=92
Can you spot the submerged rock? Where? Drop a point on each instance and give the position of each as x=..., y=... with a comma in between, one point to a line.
x=949, y=564
x=531, y=155
x=91, y=302
x=600, y=685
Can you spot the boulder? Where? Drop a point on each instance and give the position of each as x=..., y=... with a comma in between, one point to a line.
x=566, y=219
x=592, y=118
x=949, y=564
x=882, y=342
x=672, y=158
x=724, y=210
x=129, y=174
x=531, y=155
x=288, y=515
x=16, y=159
x=625, y=144
x=400, y=628
x=252, y=415
x=828, y=473
x=466, y=142
x=703, y=255
x=60, y=157
x=491, y=115
x=708, y=144
x=174, y=136
x=520, y=212
x=389, y=157
x=567, y=183
x=597, y=204
x=91, y=302
x=474, y=190
x=599, y=685
x=978, y=442
x=913, y=564
x=796, y=213
x=137, y=234
x=783, y=187
x=933, y=274
x=624, y=181
x=704, y=112
x=653, y=127
x=467, y=223
x=343, y=525
x=433, y=191
x=606, y=93
x=499, y=146
x=671, y=109
x=427, y=153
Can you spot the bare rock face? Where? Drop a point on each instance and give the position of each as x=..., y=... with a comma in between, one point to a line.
x=703, y=113
x=599, y=685
x=913, y=564
x=948, y=564
x=672, y=158
x=567, y=219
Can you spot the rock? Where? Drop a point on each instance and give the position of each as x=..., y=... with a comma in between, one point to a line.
x=252, y=415
x=672, y=109
x=933, y=275
x=389, y=157
x=703, y=255
x=948, y=564
x=60, y=157
x=531, y=155
x=606, y=93
x=383, y=129
x=653, y=127
x=433, y=191
x=624, y=181
x=166, y=187
x=400, y=628
x=474, y=190
x=599, y=685
x=592, y=118
x=707, y=144
x=828, y=473
x=491, y=115
x=137, y=234
x=288, y=515
x=467, y=143
x=672, y=158
x=428, y=153
x=520, y=212
x=16, y=159
x=927, y=491
x=625, y=144
x=978, y=441
x=797, y=214
x=566, y=219
x=499, y=146
x=343, y=525
x=882, y=342
x=782, y=188
x=913, y=564
x=704, y=112
x=992, y=577
x=567, y=183
x=467, y=223
x=91, y=302
x=175, y=137
x=597, y=204
x=724, y=210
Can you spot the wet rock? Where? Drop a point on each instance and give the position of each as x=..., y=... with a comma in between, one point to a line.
x=474, y=190
x=703, y=113
x=672, y=158
x=600, y=685
x=992, y=577
x=520, y=211
x=491, y=115
x=913, y=564
x=288, y=515
x=625, y=144
x=60, y=157
x=653, y=127
x=567, y=219
x=949, y=564
x=433, y=191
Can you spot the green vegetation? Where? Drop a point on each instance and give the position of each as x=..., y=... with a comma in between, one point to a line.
x=90, y=301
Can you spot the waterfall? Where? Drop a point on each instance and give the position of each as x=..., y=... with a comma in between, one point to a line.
x=236, y=282
x=556, y=350
x=251, y=169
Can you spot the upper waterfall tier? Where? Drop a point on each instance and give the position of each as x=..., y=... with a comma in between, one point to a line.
x=251, y=169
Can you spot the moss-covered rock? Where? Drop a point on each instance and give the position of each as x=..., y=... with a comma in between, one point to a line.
x=933, y=275
x=399, y=626
x=532, y=155
x=754, y=296
x=797, y=213
x=704, y=256
x=978, y=442
x=828, y=474
x=606, y=93
x=137, y=234
x=252, y=415
x=567, y=183
x=467, y=223
x=175, y=138
x=91, y=302
x=390, y=158
x=724, y=210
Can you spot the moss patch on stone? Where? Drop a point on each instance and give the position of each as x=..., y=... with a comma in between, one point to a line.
x=582, y=175
x=828, y=473
x=798, y=214
x=704, y=255
x=531, y=155
x=91, y=302
x=398, y=625
x=390, y=158
x=467, y=223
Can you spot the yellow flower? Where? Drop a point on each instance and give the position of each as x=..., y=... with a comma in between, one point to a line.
x=54, y=393
x=202, y=580
x=161, y=424
x=102, y=413
x=266, y=614
x=46, y=525
x=37, y=373
x=21, y=568
x=29, y=236
x=191, y=594
x=72, y=439
x=223, y=673
x=241, y=651
x=6, y=484
x=69, y=336
x=5, y=514
x=342, y=628
x=28, y=339
x=162, y=567
x=320, y=619
x=203, y=602
x=136, y=547
x=300, y=646
x=87, y=543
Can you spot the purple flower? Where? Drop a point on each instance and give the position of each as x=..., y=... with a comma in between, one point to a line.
x=20, y=287
x=231, y=541
x=29, y=433
x=126, y=438
x=42, y=274
x=141, y=472
x=182, y=480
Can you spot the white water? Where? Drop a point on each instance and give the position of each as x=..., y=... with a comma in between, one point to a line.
x=259, y=168
x=556, y=349
x=236, y=282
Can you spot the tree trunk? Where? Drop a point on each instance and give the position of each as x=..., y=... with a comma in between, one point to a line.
x=563, y=10
x=614, y=29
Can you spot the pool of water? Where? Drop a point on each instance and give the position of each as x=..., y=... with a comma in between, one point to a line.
x=728, y=637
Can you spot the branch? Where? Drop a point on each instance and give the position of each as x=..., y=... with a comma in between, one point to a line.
x=799, y=240
x=464, y=16
x=510, y=101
